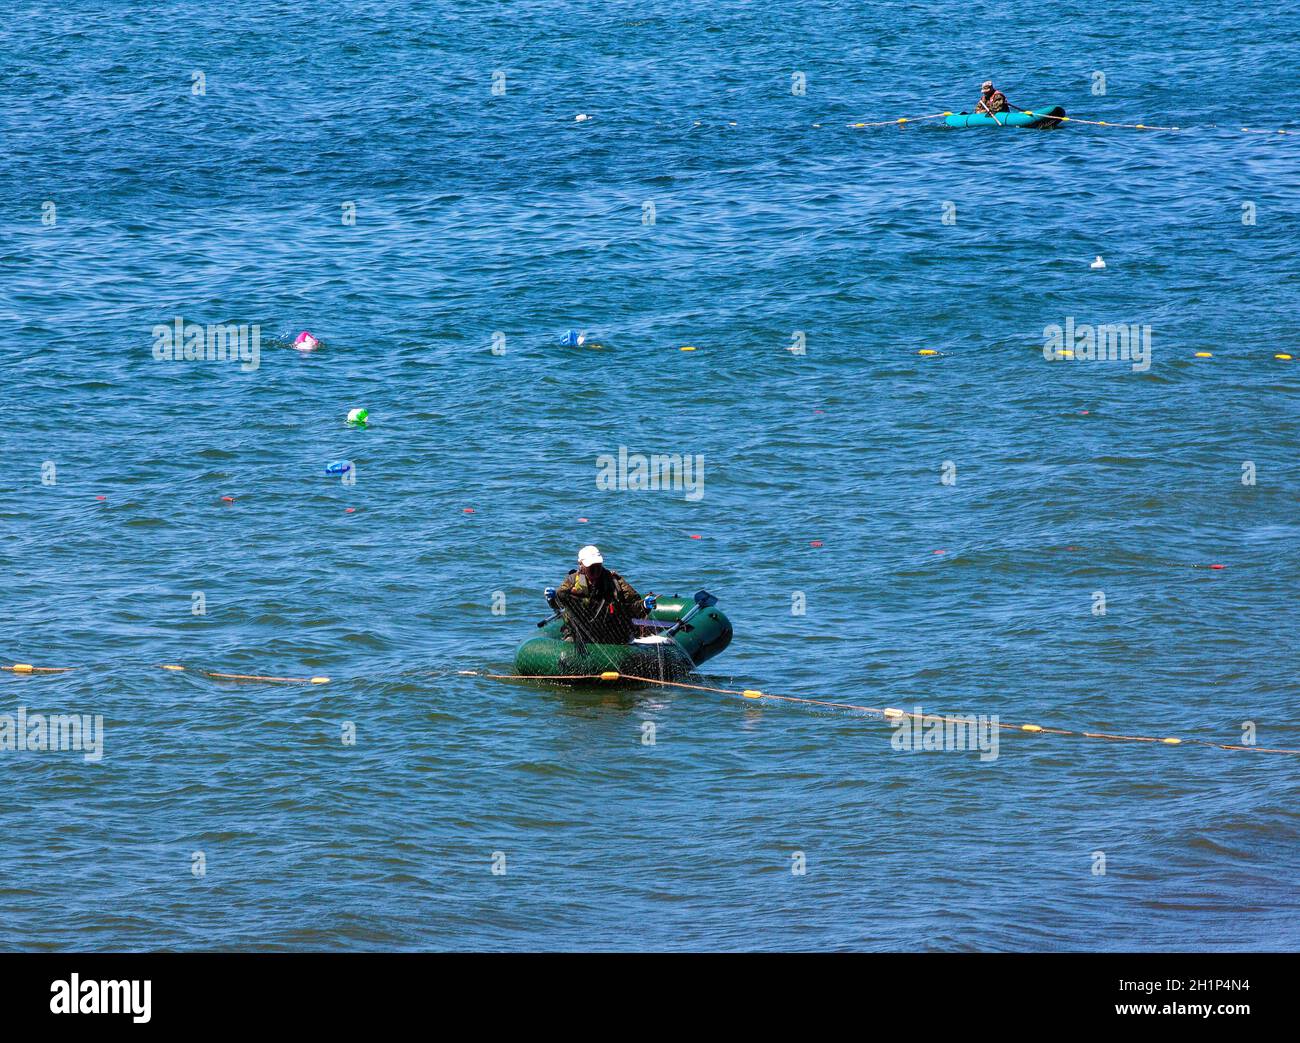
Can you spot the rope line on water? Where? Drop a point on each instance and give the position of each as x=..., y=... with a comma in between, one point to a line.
x=887, y=713
x=1121, y=126
x=901, y=119
x=27, y=668
x=247, y=677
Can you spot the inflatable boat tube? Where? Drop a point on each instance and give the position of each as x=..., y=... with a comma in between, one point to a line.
x=653, y=653
x=1035, y=118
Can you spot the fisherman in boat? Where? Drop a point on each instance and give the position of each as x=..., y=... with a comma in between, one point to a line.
x=598, y=601
x=991, y=100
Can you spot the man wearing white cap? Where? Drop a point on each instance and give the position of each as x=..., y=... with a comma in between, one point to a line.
x=600, y=602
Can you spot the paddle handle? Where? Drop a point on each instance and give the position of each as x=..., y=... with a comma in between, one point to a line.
x=684, y=620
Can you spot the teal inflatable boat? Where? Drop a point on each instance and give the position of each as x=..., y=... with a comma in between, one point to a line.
x=1036, y=118
x=680, y=634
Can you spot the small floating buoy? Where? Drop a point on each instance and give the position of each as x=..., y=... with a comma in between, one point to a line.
x=227, y=499
x=1284, y=358
x=1098, y=263
x=689, y=347
x=695, y=537
x=815, y=543
x=582, y=519
x=581, y=117
x=468, y=510
x=1218, y=566
x=357, y=417
x=927, y=351
x=1204, y=355
x=306, y=342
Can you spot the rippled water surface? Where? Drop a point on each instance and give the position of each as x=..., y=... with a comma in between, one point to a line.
x=200, y=161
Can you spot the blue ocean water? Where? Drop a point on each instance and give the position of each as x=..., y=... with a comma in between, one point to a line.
x=409, y=182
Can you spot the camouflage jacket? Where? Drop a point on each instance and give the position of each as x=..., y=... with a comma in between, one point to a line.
x=604, y=611
x=996, y=102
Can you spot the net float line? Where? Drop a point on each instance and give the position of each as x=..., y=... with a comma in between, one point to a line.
x=889, y=713
x=246, y=677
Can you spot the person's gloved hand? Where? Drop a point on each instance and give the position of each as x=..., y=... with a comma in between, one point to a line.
x=549, y=595
x=650, y=600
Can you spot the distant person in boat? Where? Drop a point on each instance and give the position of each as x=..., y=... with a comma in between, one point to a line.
x=599, y=601
x=991, y=100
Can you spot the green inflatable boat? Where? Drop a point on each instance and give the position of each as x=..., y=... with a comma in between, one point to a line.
x=1036, y=118
x=680, y=634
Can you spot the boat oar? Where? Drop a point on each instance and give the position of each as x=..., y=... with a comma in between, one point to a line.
x=553, y=601
x=703, y=599
x=989, y=112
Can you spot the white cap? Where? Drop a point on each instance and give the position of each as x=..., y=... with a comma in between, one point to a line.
x=589, y=555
